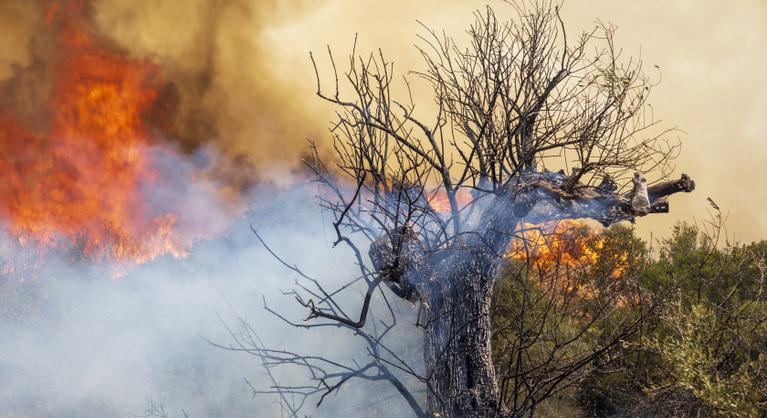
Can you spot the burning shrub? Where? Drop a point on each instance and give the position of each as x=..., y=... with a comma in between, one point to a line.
x=569, y=301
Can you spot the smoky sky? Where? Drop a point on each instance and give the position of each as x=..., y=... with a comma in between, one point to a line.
x=711, y=60
x=218, y=81
x=240, y=75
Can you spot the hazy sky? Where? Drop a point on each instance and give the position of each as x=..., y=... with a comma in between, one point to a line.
x=713, y=57
x=245, y=79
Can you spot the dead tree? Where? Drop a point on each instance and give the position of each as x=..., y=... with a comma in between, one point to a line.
x=529, y=125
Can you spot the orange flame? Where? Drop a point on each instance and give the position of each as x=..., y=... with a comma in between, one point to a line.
x=570, y=243
x=563, y=248
x=81, y=178
x=441, y=204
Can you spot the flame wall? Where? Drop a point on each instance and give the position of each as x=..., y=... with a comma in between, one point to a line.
x=98, y=97
x=222, y=84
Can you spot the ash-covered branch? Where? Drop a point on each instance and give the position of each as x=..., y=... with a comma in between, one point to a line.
x=667, y=188
x=550, y=200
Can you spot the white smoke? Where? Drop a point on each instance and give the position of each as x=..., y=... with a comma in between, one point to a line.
x=78, y=343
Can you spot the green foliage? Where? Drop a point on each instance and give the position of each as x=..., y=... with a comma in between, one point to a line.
x=711, y=338
x=698, y=345
x=721, y=366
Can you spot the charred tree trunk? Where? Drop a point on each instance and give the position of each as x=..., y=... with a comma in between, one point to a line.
x=455, y=286
x=455, y=294
x=457, y=353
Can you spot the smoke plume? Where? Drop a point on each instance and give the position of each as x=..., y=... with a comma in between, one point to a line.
x=220, y=83
x=77, y=344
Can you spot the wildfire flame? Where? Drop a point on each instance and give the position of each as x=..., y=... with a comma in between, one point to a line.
x=569, y=244
x=80, y=177
x=559, y=252
x=563, y=250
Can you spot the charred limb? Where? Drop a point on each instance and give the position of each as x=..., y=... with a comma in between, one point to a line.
x=683, y=184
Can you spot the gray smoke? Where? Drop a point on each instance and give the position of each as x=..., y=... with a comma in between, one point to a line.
x=77, y=343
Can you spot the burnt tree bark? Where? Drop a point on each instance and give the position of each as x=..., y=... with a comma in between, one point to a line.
x=441, y=202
